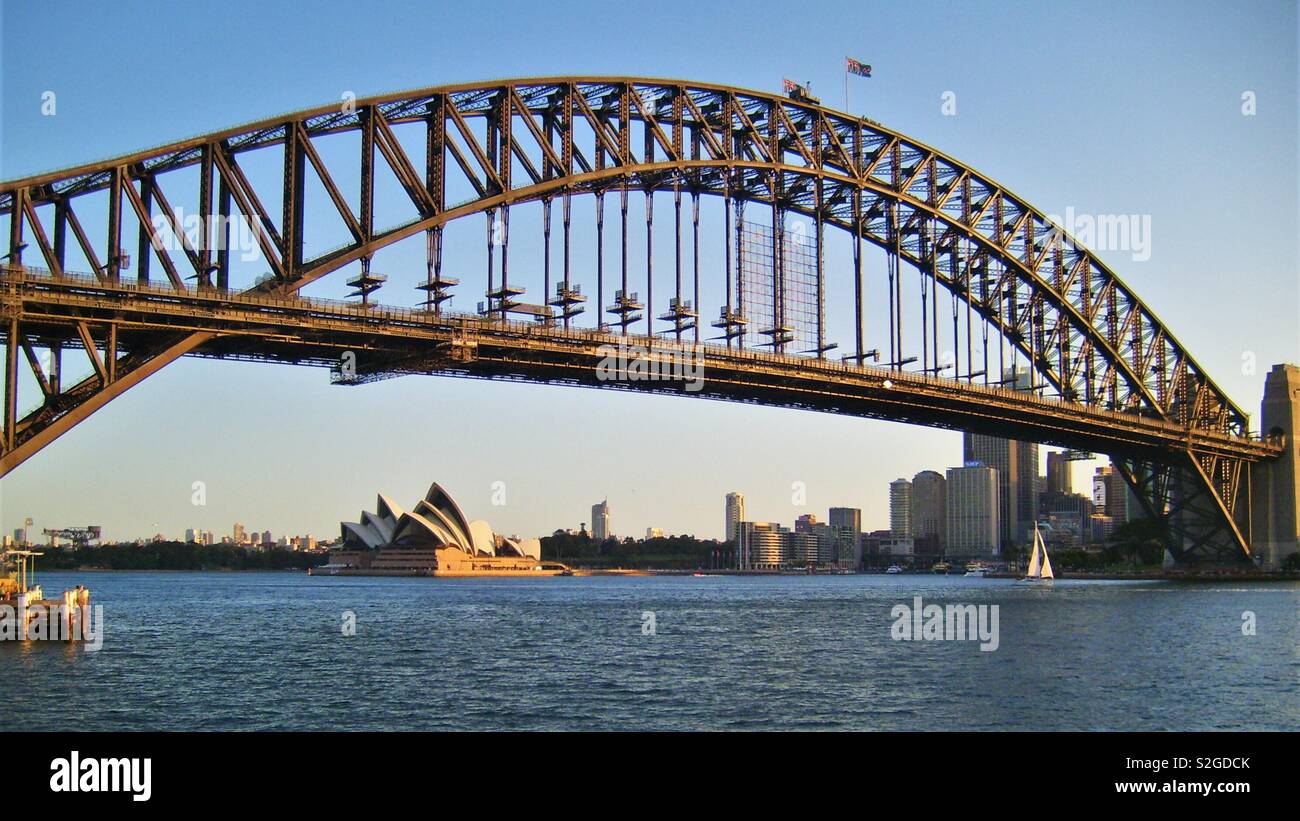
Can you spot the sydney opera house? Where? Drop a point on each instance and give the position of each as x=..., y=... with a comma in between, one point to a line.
x=432, y=539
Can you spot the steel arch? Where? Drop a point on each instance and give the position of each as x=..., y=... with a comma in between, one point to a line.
x=1084, y=331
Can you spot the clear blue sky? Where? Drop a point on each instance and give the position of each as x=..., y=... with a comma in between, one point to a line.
x=1106, y=108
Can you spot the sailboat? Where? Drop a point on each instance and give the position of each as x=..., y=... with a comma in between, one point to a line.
x=1040, y=566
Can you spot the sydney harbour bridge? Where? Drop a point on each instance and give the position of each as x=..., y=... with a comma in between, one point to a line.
x=974, y=282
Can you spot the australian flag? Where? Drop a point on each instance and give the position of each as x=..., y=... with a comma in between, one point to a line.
x=854, y=67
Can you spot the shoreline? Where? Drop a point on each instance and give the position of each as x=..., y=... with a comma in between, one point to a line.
x=1226, y=576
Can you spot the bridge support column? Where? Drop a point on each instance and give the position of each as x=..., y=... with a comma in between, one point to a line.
x=1275, y=522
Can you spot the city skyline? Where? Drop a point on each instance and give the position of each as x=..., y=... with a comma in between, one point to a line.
x=305, y=476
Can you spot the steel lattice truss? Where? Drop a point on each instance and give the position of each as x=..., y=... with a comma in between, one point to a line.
x=1084, y=331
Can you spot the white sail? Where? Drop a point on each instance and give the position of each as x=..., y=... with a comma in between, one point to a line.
x=1047, y=566
x=1032, y=573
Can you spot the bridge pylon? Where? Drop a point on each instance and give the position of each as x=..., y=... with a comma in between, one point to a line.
x=1275, y=516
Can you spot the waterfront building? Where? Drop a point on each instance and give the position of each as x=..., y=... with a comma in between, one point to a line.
x=846, y=533
x=735, y=514
x=1072, y=512
x=804, y=524
x=871, y=543
x=1019, y=483
x=900, y=508
x=897, y=547
x=973, y=508
x=600, y=521
x=929, y=508
x=1016, y=464
x=433, y=538
x=805, y=547
x=761, y=546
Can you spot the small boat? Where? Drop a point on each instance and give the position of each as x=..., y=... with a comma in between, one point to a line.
x=940, y=567
x=976, y=570
x=1040, y=566
x=893, y=569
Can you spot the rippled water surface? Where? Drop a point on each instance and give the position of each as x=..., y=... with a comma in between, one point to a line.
x=250, y=651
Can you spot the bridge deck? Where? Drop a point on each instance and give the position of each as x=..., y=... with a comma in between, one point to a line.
x=395, y=340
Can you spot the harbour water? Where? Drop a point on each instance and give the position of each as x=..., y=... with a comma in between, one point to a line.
x=260, y=651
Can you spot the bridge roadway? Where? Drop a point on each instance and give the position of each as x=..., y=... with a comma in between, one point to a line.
x=388, y=340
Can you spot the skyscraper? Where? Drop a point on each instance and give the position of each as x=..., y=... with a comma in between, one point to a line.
x=600, y=521
x=900, y=508
x=1017, y=467
x=1110, y=493
x=846, y=530
x=1058, y=474
x=735, y=513
x=929, y=511
x=973, y=528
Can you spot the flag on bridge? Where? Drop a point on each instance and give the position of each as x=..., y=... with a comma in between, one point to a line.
x=854, y=67
x=791, y=87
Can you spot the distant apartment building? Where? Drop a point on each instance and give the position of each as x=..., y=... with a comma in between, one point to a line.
x=654, y=533
x=761, y=546
x=804, y=548
x=239, y=535
x=735, y=514
x=600, y=521
x=194, y=534
x=973, y=509
x=900, y=508
x=929, y=512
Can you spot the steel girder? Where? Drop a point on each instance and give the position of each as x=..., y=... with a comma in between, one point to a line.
x=1085, y=332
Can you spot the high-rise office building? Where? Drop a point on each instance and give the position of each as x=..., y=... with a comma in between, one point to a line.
x=900, y=508
x=1059, y=480
x=846, y=532
x=239, y=533
x=973, y=507
x=600, y=521
x=1110, y=493
x=929, y=512
x=735, y=513
x=1017, y=467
